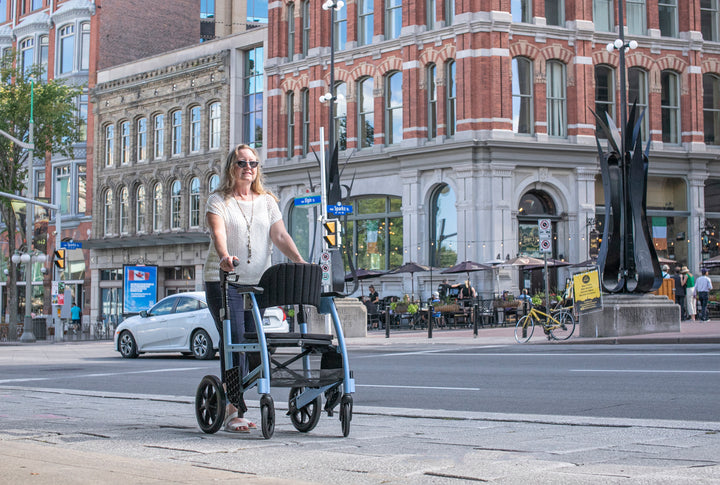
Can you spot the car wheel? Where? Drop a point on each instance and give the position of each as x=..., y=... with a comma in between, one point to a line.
x=201, y=345
x=127, y=345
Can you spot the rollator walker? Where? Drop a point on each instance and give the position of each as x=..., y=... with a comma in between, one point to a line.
x=312, y=367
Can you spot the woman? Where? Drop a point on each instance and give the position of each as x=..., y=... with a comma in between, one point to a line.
x=244, y=221
x=689, y=293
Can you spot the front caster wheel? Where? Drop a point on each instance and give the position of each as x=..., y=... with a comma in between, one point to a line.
x=346, y=406
x=267, y=413
x=210, y=404
x=307, y=417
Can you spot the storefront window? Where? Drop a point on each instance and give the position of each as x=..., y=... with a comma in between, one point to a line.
x=443, y=230
x=374, y=233
x=302, y=225
x=710, y=227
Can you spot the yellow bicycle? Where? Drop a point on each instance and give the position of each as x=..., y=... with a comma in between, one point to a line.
x=558, y=325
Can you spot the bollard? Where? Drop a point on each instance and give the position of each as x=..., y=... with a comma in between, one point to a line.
x=430, y=320
x=387, y=322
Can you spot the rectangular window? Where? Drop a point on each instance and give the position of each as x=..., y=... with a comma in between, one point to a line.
x=142, y=139
x=257, y=11
x=638, y=92
x=522, y=93
x=393, y=19
x=290, y=100
x=555, y=12
x=83, y=116
x=449, y=12
x=3, y=11
x=340, y=18
x=195, y=202
x=157, y=207
x=365, y=22
x=604, y=15
x=67, y=49
x=82, y=188
x=604, y=94
x=305, y=98
x=340, y=110
x=195, y=129
x=125, y=143
x=670, y=107
x=556, y=99
x=140, y=209
x=291, y=30
x=710, y=19
x=44, y=49
x=159, y=137
x=176, y=140
x=124, y=211
x=711, y=109
x=207, y=9
x=432, y=101
x=253, y=97
x=366, y=119
x=36, y=4
x=306, y=27
x=450, y=99
x=668, y=18
x=63, y=189
x=109, y=145
x=636, y=18
x=214, y=142
x=85, y=46
x=393, y=109
x=520, y=11
x=430, y=14
x=27, y=54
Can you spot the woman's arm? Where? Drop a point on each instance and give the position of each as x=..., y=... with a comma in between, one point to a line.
x=219, y=239
x=284, y=242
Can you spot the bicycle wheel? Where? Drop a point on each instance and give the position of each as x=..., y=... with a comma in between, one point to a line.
x=565, y=327
x=524, y=329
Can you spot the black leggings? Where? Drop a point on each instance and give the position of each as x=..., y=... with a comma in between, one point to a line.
x=241, y=321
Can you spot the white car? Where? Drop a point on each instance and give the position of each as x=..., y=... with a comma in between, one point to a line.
x=181, y=323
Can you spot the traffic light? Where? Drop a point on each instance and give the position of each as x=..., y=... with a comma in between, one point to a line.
x=60, y=259
x=332, y=234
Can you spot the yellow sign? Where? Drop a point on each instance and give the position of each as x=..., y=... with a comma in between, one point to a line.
x=588, y=297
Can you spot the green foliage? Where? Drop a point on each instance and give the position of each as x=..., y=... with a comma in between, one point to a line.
x=536, y=300
x=412, y=308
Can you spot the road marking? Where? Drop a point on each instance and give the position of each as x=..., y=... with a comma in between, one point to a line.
x=650, y=371
x=447, y=353
x=104, y=374
x=421, y=387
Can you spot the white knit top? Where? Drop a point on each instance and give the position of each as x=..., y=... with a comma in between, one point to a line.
x=263, y=212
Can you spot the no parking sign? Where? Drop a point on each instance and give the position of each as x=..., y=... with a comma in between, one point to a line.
x=545, y=233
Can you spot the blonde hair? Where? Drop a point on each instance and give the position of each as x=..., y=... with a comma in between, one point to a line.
x=228, y=179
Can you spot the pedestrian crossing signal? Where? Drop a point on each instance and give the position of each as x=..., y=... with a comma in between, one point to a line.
x=60, y=259
x=332, y=235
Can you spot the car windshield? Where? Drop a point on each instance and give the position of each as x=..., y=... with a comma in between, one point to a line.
x=163, y=308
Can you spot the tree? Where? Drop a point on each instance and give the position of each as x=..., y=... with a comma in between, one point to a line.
x=55, y=130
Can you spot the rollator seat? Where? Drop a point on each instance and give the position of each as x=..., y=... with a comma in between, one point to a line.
x=293, y=339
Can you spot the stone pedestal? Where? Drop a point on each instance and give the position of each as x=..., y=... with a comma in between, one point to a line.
x=353, y=318
x=631, y=315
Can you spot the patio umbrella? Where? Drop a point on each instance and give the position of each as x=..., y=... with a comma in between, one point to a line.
x=523, y=261
x=411, y=268
x=466, y=267
x=588, y=263
x=551, y=263
x=711, y=263
x=363, y=274
x=662, y=260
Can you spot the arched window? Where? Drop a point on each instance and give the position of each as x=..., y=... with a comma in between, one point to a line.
x=142, y=139
x=604, y=94
x=393, y=108
x=66, y=54
x=213, y=183
x=556, y=99
x=450, y=98
x=159, y=137
x=27, y=53
x=140, y=208
x=443, y=227
x=124, y=211
x=535, y=204
x=176, y=141
x=108, y=213
x=109, y=145
x=195, y=129
x=340, y=110
x=125, y=143
x=157, y=206
x=366, y=119
x=638, y=91
x=195, y=202
x=522, y=95
x=214, y=142
x=670, y=106
x=175, y=200
x=431, y=74
x=711, y=108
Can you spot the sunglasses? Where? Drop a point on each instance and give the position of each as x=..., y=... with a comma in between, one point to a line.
x=247, y=163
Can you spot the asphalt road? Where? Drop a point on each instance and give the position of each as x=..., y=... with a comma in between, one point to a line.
x=678, y=382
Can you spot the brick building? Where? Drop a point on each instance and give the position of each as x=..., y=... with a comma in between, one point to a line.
x=464, y=123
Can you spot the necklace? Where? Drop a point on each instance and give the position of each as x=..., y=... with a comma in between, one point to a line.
x=248, y=222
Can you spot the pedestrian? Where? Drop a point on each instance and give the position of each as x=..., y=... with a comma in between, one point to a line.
x=679, y=292
x=244, y=221
x=666, y=272
x=467, y=291
x=75, y=315
x=374, y=297
x=703, y=285
x=689, y=293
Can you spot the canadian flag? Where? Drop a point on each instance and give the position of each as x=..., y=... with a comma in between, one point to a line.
x=139, y=276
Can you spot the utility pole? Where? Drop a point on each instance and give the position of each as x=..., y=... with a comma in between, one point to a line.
x=28, y=335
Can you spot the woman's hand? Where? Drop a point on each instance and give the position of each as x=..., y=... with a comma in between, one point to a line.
x=227, y=263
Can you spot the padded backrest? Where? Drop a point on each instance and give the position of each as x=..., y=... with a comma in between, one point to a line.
x=291, y=284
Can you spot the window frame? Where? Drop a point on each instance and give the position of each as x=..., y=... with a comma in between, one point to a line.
x=214, y=125
x=393, y=16
x=62, y=47
x=365, y=22
x=521, y=11
x=431, y=86
x=157, y=207
x=109, y=145
x=141, y=136
x=560, y=6
x=195, y=142
x=253, y=96
x=194, y=212
x=710, y=21
x=176, y=129
x=643, y=98
x=305, y=113
x=158, y=136
x=340, y=126
x=125, y=142
x=175, y=205
x=670, y=7
x=363, y=114
x=522, y=98
x=291, y=30
x=108, y=212
x=450, y=98
x=670, y=113
x=124, y=208
x=305, y=6
x=559, y=100
x=140, y=209
x=633, y=8
x=290, y=101
x=713, y=111
x=605, y=105
x=393, y=111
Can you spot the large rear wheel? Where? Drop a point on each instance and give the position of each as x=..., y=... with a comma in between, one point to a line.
x=565, y=327
x=210, y=404
x=524, y=329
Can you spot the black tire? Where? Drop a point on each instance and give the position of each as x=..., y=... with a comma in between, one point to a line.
x=307, y=417
x=201, y=345
x=210, y=404
x=127, y=346
x=524, y=329
x=346, y=406
x=566, y=328
x=267, y=414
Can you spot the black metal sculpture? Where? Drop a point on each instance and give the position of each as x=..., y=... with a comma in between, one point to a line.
x=627, y=259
